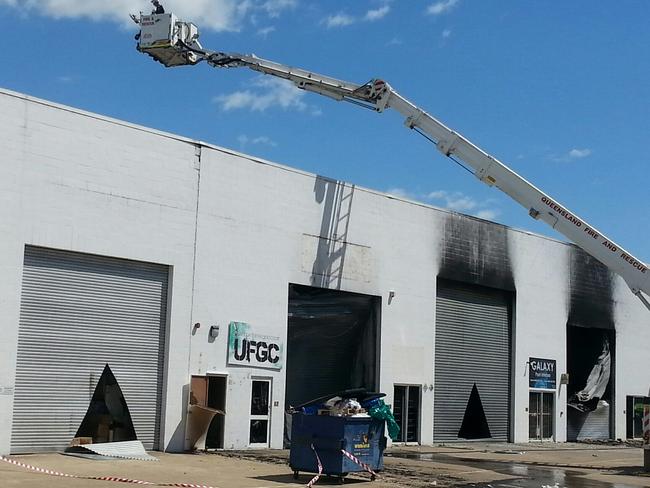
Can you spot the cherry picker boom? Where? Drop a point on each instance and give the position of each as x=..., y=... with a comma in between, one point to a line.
x=175, y=43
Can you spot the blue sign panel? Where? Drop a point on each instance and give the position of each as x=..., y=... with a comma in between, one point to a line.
x=541, y=373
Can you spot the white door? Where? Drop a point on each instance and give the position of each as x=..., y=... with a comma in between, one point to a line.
x=260, y=412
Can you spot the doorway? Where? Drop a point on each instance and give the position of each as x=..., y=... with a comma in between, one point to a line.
x=332, y=343
x=217, y=386
x=634, y=417
x=210, y=391
x=260, y=412
x=472, y=370
x=541, y=412
x=406, y=409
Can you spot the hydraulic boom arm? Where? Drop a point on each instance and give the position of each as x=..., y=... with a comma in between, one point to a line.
x=379, y=95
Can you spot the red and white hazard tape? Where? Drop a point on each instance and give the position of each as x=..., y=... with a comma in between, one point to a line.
x=357, y=461
x=646, y=426
x=348, y=455
x=320, y=469
x=99, y=478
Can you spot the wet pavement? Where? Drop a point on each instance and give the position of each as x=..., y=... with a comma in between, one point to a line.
x=525, y=476
x=528, y=476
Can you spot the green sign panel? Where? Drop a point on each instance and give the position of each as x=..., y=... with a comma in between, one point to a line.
x=246, y=348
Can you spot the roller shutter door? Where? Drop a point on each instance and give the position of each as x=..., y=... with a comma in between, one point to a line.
x=472, y=347
x=583, y=426
x=78, y=313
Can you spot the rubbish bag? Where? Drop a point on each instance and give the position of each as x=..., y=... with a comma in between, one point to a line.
x=380, y=411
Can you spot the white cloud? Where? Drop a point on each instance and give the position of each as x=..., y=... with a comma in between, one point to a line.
x=219, y=15
x=263, y=140
x=456, y=201
x=395, y=41
x=446, y=33
x=487, y=214
x=342, y=19
x=572, y=155
x=460, y=202
x=579, y=153
x=275, y=7
x=377, y=14
x=264, y=32
x=268, y=93
x=441, y=7
x=339, y=20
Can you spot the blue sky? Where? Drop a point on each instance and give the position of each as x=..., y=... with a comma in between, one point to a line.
x=559, y=91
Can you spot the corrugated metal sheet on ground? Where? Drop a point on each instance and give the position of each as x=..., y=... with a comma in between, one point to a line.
x=133, y=450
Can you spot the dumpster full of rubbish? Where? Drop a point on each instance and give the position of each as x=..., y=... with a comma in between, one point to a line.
x=335, y=435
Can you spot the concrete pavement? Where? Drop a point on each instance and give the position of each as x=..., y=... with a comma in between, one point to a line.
x=469, y=464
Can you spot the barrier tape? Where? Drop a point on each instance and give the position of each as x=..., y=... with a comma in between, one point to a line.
x=100, y=478
x=348, y=455
x=646, y=426
x=320, y=469
x=355, y=460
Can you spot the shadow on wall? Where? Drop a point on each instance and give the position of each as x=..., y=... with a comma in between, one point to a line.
x=336, y=198
x=178, y=438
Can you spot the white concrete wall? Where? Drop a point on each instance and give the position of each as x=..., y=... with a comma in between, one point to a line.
x=540, y=319
x=632, y=360
x=75, y=181
x=257, y=228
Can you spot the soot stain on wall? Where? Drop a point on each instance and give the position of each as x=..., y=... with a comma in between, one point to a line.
x=591, y=285
x=476, y=252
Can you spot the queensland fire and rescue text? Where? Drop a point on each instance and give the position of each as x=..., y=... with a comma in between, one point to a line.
x=594, y=235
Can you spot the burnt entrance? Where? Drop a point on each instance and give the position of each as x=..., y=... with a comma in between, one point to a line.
x=332, y=342
x=591, y=332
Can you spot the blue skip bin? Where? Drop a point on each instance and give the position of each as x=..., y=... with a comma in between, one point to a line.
x=363, y=437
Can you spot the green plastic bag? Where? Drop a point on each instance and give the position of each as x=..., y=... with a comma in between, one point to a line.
x=382, y=412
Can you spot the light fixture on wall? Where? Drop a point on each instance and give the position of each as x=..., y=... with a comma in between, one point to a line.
x=214, y=331
x=391, y=295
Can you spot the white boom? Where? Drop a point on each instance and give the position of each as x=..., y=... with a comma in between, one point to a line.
x=174, y=43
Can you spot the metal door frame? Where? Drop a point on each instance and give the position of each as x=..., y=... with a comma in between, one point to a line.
x=540, y=415
x=267, y=417
x=406, y=414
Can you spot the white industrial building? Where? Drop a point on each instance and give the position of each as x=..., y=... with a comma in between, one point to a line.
x=184, y=265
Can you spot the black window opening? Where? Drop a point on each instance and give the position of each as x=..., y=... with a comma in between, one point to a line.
x=634, y=416
x=406, y=409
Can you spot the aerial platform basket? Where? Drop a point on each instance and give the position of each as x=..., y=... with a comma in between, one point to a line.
x=168, y=40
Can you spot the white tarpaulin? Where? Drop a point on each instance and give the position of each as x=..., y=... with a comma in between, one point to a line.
x=586, y=399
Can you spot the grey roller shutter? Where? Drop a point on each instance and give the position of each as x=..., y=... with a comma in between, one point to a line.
x=472, y=346
x=78, y=313
x=582, y=426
